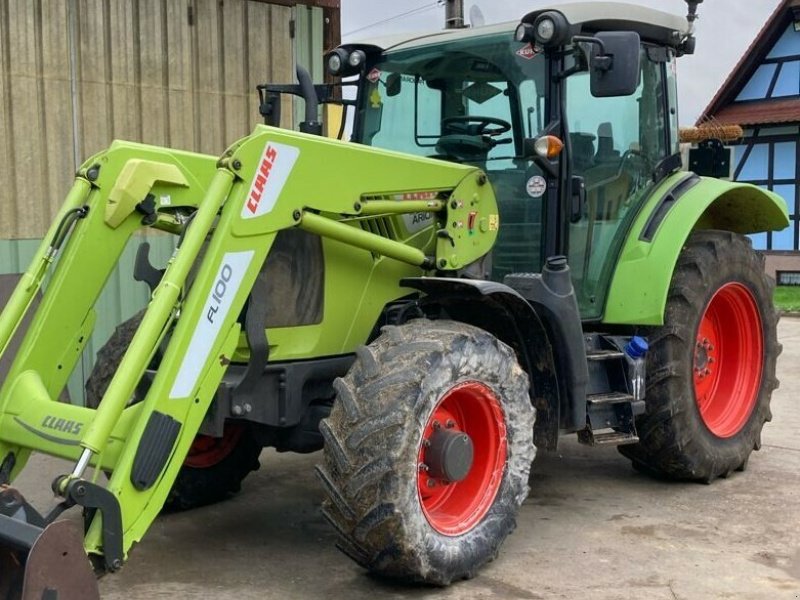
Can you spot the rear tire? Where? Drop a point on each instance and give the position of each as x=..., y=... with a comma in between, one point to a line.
x=215, y=467
x=711, y=366
x=391, y=519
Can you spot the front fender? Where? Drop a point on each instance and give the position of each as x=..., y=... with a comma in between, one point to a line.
x=501, y=311
x=639, y=286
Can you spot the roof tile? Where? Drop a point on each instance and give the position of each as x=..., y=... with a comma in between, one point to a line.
x=759, y=113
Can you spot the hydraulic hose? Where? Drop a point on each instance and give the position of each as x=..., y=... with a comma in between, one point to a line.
x=311, y=123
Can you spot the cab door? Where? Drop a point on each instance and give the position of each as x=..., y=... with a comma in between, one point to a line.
x=615, y=146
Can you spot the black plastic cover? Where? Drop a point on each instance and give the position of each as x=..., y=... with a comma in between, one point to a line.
x=154, y=450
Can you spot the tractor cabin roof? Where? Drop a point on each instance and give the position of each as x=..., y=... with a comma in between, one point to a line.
x=652, y=25
x=725, y=110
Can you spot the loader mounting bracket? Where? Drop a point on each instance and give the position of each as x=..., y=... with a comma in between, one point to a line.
x=92, y=497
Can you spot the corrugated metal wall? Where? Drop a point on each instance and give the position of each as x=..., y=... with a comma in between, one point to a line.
x=76, y=74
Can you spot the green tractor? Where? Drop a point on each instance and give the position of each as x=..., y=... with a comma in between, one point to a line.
x=506, y=252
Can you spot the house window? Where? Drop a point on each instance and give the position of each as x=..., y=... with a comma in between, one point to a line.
x=788, y=277
x=768, y=159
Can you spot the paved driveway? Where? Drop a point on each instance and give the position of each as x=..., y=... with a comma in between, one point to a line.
x=591, y=529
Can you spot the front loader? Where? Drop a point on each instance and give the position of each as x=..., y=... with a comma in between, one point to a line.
x=506, y=252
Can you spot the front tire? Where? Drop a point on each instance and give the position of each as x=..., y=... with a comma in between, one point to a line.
x=711, y=366
x=428, y=450
x=214, y=467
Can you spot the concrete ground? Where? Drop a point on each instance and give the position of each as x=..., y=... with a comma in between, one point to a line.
x=591, y=528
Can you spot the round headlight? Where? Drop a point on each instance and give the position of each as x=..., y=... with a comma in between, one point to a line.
x=524, y=33
x=334, y=64
x=545, y=30
x=337, y=61
x=357, y=58
x=551, y=29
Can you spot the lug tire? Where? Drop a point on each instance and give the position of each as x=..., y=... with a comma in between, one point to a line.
x=208, y=477
x=711, y=366
x=386, y=407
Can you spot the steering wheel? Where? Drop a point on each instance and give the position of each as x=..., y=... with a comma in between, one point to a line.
x=471, y=137
x=476, y=125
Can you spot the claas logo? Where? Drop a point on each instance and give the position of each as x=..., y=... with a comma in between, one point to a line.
x=262, y=177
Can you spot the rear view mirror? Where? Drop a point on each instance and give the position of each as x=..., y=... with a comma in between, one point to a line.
x=615, y=63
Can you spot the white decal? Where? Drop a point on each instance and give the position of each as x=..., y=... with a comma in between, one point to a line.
x=418, y=221
x=226, y=286
x=273, y=171
x=536, y=186
x=165, y=200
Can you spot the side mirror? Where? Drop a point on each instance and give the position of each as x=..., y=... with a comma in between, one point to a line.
x=615, y=63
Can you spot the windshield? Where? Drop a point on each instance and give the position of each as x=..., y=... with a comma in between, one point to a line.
x=471, y=100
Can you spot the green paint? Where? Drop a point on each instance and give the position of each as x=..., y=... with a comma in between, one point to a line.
x=640, y=283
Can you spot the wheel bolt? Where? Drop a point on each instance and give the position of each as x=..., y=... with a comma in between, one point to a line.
x=426, y=443
x=450, y=424
x=706, y=372
x=423, y=467
x=431, y=483
x=437, y=425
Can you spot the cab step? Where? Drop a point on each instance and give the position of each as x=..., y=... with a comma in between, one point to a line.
x=594, y=355
x=610, y=438
x=609, y=398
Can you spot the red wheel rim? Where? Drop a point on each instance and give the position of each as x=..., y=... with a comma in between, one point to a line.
x=207, y=451
x=453, y=508
x=728, y=360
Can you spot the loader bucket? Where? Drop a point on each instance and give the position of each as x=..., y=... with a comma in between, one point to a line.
x=42, y=563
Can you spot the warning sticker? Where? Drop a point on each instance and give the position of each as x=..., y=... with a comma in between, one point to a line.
x=416, y=196
x=536, y=186
x=375, y=99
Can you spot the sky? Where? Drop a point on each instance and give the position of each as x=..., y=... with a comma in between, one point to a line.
x=724, y=32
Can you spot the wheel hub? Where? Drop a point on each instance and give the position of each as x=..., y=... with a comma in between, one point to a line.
x=462, y=458
x=728, y=357
x=449, y=455
x=703, y=358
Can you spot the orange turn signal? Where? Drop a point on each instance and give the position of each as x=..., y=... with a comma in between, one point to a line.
x=548, y=146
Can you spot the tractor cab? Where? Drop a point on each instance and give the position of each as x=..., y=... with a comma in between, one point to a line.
x=571, y=112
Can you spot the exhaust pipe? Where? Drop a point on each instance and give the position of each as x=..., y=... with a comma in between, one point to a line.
x=38, y=561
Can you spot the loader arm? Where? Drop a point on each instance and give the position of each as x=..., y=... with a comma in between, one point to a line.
x=270, y=181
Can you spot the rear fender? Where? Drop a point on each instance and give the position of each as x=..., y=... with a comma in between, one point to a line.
x=639, y=286
x=505, y=314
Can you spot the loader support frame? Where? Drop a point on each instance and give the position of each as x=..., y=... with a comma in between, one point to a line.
x=230, y=210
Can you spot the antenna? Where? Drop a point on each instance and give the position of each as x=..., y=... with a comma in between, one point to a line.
x=476, y=18
x=692, y=16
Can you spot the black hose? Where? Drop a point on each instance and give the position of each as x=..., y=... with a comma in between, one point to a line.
x=309, y=94
x=64, y=227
